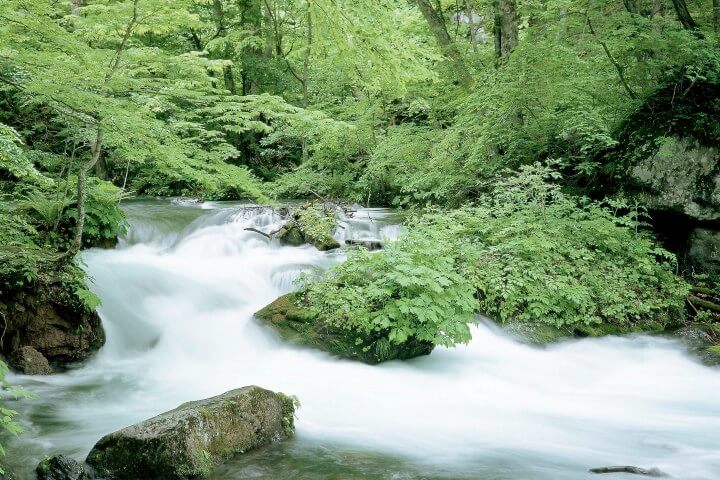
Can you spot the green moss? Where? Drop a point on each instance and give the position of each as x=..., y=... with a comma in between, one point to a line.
x=296, y=324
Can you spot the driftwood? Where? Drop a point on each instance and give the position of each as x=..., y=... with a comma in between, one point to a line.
x=269, y=236
x=255, y=230
x=652, y=472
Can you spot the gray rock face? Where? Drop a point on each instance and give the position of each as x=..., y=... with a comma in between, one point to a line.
x=683, y=176
x=30, y=362
x=704, y=248
x=191, y=440
x=61, y=467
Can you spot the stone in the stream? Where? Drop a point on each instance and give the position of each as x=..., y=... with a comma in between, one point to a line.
x=30, y=362
x=296, y=325
x=61, y=467
x=290, y=235
x=191, y=440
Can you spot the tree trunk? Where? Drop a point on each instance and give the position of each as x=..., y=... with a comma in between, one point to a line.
x=75, y=7
x=97, y=145
x=436, y=21
x=101, y=168
x=506, y=28
x=716, y=16
x=306, y=73
x=230, y=80
x=269, y=32
x=96, y=151
x=471, y=24
x=683, y=14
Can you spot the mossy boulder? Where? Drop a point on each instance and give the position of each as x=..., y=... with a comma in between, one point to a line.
x=295, y=324
x=191, y=440
x=293, y=235
x=61, y=467
x=290, y=235
x=309, y=223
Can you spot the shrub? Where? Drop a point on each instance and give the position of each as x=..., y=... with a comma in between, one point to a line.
x=528, y=253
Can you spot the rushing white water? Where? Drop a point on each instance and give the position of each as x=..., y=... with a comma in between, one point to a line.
x=178, y=297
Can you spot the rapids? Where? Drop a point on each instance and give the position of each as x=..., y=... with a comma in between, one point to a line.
x=178, y=297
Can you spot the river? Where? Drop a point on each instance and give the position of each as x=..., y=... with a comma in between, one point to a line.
x=178, y=297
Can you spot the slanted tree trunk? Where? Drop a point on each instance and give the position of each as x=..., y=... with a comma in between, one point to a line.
x=436, y=21
x=683, y=14
x=506, y=28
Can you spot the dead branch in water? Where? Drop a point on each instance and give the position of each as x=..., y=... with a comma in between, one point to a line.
x=652, y=472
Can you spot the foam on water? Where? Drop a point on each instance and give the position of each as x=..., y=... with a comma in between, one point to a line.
x=178, y=300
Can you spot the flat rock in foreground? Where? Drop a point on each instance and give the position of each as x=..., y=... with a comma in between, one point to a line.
x=191, y=440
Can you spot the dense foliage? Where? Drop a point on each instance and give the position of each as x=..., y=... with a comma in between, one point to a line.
x=526, y=252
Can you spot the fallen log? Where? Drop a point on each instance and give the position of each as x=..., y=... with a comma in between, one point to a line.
x=651, y=472
x=704, y=290
x=699, y=302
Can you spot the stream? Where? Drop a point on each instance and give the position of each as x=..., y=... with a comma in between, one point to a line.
x=178, y=296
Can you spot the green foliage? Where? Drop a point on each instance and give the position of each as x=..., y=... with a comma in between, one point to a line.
x=316, y=222
x=528, y=252
x=8, y=423
x=412, y=290
x=541, y=256
x=399, y=170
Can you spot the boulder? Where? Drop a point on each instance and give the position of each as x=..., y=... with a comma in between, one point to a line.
x=704, y=249
x=297, y=325
x=290, y=235
x=696, y=339
x=61, y=467
x=62, y=332
x=191, y=440
x=682, y=176
x=30, y=362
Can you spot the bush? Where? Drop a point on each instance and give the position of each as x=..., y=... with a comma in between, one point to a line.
x=526, y=253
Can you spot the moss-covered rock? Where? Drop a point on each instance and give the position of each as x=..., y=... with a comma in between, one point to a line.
x=290, y=235
x=60, y=330
x=191, y=440
x=61, y=467
x=295, y=324
x=311, y=224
